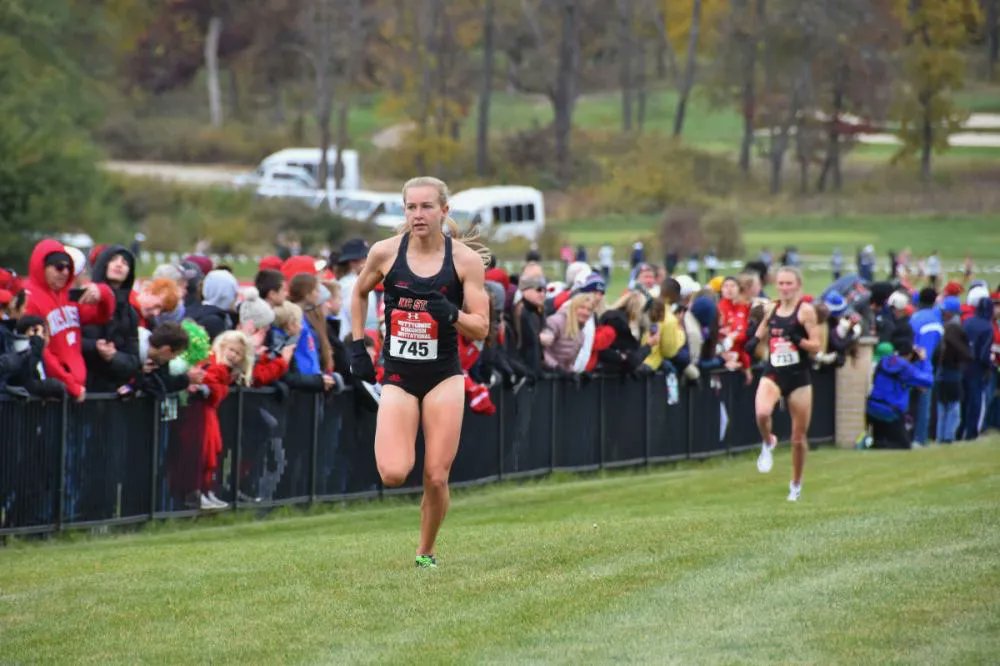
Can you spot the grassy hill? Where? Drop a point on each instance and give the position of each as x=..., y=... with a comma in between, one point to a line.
x=890, y=557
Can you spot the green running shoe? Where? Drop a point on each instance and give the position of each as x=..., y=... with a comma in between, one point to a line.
x=426, y=562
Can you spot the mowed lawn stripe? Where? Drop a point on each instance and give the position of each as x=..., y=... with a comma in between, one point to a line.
x=890, y=557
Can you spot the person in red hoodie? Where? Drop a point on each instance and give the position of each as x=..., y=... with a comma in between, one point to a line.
x=734, y=320
x=50, y=277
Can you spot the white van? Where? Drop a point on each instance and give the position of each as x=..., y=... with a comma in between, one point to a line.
x=501, y=212
x=382, y=208
x=309, y=158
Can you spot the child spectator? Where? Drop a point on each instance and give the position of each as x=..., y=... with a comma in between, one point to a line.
x=51, y=271
x=156, y=351
x=256, y=317
x=271, y=286
x=231, y=363
x=303, y=371
x=666, y=338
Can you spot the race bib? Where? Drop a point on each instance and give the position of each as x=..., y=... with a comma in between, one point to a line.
x=783, y=353
x=413, y=336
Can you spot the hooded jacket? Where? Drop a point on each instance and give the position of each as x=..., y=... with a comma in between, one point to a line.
x=63, y=356
x=979, y=329
x=122, y=329
x=894, y=377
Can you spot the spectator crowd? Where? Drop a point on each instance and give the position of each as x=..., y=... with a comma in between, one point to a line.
x=80, y=324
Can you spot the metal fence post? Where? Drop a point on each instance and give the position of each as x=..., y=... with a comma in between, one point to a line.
x=238, y=451
x=154, y=458
x=601, y=435
x=501, y=411
x=690, y=416
x=64, y=427
x=313, y=457
x=646, y=428
x=552, y=424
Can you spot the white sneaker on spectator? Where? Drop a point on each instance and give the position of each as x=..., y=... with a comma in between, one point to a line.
x=794, y=492
x=765, y=461
x=219, y=504
x=206, y=504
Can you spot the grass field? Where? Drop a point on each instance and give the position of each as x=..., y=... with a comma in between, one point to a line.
x=890, y=557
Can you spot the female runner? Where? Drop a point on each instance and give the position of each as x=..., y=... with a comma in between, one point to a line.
x=792, y=335
x=433, y=290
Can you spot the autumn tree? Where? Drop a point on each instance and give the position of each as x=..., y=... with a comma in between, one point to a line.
x=933, y=68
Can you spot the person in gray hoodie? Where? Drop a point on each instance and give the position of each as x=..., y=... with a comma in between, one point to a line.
x=219, y=290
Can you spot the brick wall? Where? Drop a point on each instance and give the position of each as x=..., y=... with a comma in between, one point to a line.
x=854, y=381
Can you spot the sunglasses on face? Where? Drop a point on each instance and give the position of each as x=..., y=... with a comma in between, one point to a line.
x=62, y=267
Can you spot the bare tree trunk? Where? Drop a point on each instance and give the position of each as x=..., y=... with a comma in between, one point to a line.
x=640, y=86
x=323, y=58
x=749, y=91
x=779, y=144
x=992, y=37
x=688, y=82
x=353, y=58
x=234, y=94
x=212, y=70
x=832, y=162
x=485, y=94
x=666, y=61
x=625, y=41
x=926, y=140
x=564, y=94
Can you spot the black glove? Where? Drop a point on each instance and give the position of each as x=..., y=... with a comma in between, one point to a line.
x=361, y=362
x=442, y=309
x=750, y=345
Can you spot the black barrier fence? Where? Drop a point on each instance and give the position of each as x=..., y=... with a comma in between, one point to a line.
x=109, y=461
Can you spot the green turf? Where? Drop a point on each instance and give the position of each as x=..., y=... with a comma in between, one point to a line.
x=891, y=557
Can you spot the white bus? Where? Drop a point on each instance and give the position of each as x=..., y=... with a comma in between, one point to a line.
x=500, y=212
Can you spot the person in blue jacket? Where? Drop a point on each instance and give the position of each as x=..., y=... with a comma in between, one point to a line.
x=975, y=379
x=928, y=327
x=889, y=401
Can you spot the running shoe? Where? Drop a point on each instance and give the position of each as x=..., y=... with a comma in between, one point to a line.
x=426, y=562
x=219, y=504
x=765, y=461
x=794, y=492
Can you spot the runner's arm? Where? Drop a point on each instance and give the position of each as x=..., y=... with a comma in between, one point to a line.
x=807, y=317
x=370, y=276
x=474, y=317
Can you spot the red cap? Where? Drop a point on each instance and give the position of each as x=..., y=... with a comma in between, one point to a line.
x=953, y=289
x=95, y=252
x=270, y=263
x=302, y=263
x=5, y=297
x=807, y=298
x=498, y=275
x=203, y=263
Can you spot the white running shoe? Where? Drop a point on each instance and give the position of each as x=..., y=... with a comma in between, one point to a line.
x=219, y=504
x=206, y=504
x=765, y=461
x=794, y=492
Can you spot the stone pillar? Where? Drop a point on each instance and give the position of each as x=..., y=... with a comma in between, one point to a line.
x=854, y=381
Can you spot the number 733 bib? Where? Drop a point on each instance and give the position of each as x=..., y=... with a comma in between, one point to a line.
x=413, y=336
x=783, y=353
